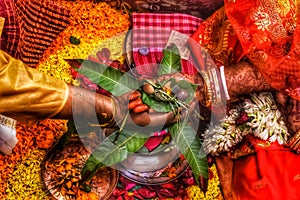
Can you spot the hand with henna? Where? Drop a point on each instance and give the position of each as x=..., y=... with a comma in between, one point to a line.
x=243, y=78
x=290, y=109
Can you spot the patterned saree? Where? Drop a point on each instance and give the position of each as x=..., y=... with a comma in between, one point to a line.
x=265, y=32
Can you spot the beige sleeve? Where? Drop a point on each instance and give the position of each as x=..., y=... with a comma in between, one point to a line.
x=27, y=94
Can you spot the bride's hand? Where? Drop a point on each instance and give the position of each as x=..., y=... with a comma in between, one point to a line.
x=288, y=108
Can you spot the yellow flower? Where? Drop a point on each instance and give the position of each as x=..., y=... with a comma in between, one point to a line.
x=213, y=190
x=25, y=182
x=92, y=24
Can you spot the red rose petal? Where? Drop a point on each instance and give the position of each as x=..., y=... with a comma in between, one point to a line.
x=153, y=142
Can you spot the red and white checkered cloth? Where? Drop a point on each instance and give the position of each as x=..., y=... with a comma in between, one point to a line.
x=152, y=31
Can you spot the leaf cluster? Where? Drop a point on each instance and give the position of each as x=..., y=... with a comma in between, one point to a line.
x=119, y=145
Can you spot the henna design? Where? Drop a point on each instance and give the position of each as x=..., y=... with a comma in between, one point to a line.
x=243, y=78
x=293, y=115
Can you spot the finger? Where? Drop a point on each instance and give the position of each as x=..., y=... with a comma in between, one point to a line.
x=135, y=103
x=281, y=99
x=151, y=111
x=175, y=119
x=141, y=108
x=189, y=110
x=151, y=120
x=134, y=95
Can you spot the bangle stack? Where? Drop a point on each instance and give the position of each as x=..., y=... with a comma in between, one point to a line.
x=224, y=82
x=207, y=99
x=213, y=88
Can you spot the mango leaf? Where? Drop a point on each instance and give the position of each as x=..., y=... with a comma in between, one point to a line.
x=111, y=79
x=158, y=106
x=171, y=62
x=114, y=149
x=189, y=144
x=90, y=168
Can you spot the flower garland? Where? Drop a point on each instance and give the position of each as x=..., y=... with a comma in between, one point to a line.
x=258, y=115
x=267, y=122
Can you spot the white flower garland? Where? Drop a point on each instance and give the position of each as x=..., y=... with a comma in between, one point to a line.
x=265, y=123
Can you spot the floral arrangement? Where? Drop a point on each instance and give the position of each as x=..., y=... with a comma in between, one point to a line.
x=25, y=181
x=258, y=115
x=19, y=171
x=90, y=25
x=162, y=96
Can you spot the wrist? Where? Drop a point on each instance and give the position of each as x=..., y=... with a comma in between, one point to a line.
x=105, y=108
x=212, y=90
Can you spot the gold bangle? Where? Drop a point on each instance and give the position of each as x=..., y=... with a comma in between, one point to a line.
x=293, y=142
x=207, y=101
x=216, y=93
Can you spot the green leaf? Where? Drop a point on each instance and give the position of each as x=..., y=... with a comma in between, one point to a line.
x=90, y=168
x=74, y=40
x=158, y=106
x=111, y=79
x=114, y=149
x=171, y=62
x=189, y=144
x=167, y=106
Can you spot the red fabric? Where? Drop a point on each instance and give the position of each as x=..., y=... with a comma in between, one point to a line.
x=269, y=33
x=217, y=36
x=266, y=32
x=271, y=173
x=30, y=27
x=10, y=37
x=153, y=31
x=198, y=8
